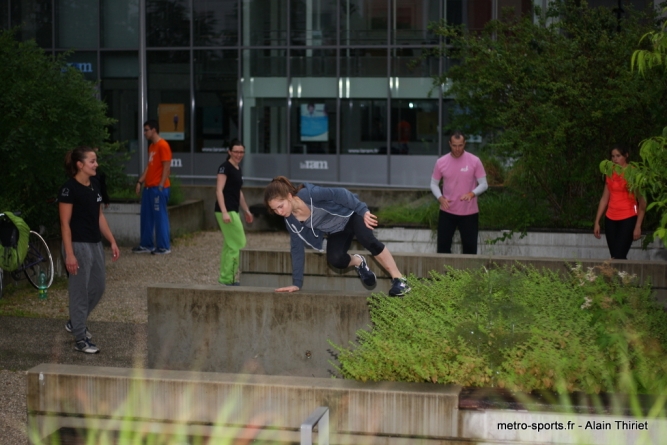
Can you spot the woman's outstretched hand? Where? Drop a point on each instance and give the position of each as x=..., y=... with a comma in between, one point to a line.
x=287, y=289
x=370, y=220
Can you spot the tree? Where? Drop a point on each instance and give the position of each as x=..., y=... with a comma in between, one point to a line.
x=553, y=96
x=649, y=176
x=47, y=108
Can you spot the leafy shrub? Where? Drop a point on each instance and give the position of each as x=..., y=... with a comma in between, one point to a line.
x=516, y=328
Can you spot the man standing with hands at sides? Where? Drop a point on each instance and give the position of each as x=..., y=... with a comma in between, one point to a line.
x=463, y=180
x=155, y=179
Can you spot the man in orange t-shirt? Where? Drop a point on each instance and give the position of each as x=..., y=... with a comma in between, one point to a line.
x=155, y=231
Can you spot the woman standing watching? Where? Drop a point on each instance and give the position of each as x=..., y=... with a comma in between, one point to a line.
x=82, y=225
x=313, y=212
x=624, y=212
x=229, y=199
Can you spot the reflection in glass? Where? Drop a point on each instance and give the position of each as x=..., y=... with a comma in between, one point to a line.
x=266, y=22
x=413, y=62
x=414, y=127
x=169, y=85
x=215, y=22
x=365, y=124
x=364, y=22
x=314, y=126
x=34, y=19
x=78, y=23
x=268, y=121
x=313, y=22
x=216, y=101
x=412, y=20
x=167, y=23
x=266, y=62
x=313, y=63
x=120, y=24
x=4, y=14
x=363, y=62
x=119, y=88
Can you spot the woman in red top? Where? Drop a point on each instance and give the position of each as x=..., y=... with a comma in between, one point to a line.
x=625, y=212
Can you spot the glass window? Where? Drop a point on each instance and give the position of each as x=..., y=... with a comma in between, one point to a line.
x=314, y=126
x=313, y=62
x=122, y=99
x=4, y=14
x=364, y=22
x=169, y=96
x=414, y=127
x=266, y=127
x=365, y=124
x=35, y=20
x=313, y=22
x=120, y=23
x=215, y=22
x=85, y=62
x=363, y=62
x=265, y=22
x=412, y=19
x=167, y=23
x=266, y=62
x=216, y=99
x=77, y=24
x=408, y=62
x=120, y=64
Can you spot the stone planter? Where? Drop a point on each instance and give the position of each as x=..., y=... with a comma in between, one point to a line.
x=534, y=244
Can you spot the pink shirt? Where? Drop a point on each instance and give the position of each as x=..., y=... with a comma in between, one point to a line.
x=459, y=176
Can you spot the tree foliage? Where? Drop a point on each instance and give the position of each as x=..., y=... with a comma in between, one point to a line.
x=47, y=108
x=649, y=175
x=553, y=96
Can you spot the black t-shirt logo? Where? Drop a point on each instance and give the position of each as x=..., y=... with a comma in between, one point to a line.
x=65, y=192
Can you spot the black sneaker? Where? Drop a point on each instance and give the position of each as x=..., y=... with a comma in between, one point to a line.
x=161, y=251
x=367, y=276
x=86, y=346
x=141, y=249
x=68, y=328
x=399, y=287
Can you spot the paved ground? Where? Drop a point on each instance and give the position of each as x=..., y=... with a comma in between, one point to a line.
x=118, y=323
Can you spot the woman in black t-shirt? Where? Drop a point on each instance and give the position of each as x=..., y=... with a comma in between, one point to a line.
x=229, y=199
x=82, y=225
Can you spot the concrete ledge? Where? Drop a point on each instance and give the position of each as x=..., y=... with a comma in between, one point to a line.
x=250, y=329
x=124, y=220
x=58, y=394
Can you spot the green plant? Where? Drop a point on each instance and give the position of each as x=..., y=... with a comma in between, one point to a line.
x=422, y=212
x=516, y=328
x=176, y=195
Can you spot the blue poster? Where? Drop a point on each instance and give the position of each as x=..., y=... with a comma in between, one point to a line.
x=314, y=122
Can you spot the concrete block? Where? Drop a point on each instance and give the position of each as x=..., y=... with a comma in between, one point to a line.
x=60, y=394
x=250, y=329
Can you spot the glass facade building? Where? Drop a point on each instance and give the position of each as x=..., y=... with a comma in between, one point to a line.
x=333, y=91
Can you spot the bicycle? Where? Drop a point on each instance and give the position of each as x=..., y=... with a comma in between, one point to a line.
x=37, y=258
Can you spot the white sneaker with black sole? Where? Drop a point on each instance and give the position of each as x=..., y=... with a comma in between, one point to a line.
x=365, y=273
x=68, y=328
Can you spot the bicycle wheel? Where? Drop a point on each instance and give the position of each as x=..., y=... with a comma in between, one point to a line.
x=1, y=281
x=38, y=260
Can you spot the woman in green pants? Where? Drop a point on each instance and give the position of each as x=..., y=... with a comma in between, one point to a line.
x=229, y=201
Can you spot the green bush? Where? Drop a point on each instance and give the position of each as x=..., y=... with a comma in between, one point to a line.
x=517, y=328
x=47, y=108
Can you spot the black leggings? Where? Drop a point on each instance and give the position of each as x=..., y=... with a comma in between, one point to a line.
x=468, y=226
x=619, y=236
x=339, y=243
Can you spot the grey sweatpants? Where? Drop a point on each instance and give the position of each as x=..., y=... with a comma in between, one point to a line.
x=87, y=286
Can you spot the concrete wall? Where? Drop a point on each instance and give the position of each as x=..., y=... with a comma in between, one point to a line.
x=254, y=330
x=534, y=244
x=273, y=408
x=125, y=222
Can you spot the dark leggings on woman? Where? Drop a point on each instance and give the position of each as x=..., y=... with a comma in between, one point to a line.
x=339, y=243
x=619, y=236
